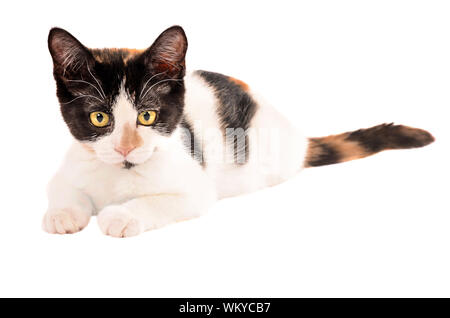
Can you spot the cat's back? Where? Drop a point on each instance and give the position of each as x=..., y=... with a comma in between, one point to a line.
x=245, y=143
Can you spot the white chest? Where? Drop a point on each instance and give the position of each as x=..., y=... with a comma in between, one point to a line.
x=168, y=172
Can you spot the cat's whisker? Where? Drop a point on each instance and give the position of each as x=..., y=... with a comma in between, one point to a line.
x=81, y=81
x=100, y=86
x=83, y=96
x=162, y=81
x=145, y=85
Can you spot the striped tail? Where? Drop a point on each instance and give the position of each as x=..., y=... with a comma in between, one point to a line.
x=364, y=142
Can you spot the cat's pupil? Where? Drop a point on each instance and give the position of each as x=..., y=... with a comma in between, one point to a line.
x=147, y=116
x=99, y=118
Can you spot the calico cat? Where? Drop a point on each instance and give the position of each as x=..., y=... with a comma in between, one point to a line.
x=156, y=145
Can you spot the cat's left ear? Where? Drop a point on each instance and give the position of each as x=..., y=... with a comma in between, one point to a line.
x=167, y=53
x=69, y=55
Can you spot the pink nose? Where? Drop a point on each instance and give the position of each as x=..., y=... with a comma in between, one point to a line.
x=124, y=151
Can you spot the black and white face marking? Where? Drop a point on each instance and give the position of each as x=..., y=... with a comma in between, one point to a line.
x=120, y=84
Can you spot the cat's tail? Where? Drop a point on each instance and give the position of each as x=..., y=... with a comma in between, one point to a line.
x=364, y=142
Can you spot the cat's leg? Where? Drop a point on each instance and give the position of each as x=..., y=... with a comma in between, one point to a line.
x=69, y=210
x=151, y=212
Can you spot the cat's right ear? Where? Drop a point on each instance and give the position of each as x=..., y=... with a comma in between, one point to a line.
x=167, y=53
x=69, y=55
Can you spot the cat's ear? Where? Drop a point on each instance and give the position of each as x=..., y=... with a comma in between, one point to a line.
x=69, y=55
x=167, y=53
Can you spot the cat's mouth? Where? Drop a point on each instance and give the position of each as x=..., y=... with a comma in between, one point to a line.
x=128, y=165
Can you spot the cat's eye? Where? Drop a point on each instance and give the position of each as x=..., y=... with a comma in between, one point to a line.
x=147, y=117
x=99, y=119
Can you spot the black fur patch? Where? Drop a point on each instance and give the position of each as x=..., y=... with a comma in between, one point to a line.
x=191, y=142
x=235, y=111
x=128, y=165
x=325, y=153
x=390, y=136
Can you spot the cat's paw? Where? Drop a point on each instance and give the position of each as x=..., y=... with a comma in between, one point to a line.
x=117, y=221
x=65, y=221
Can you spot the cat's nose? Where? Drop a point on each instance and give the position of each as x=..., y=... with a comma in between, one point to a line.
x=124, y=151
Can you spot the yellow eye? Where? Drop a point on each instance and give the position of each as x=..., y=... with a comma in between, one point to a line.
x=147, y=117
x=99, y=119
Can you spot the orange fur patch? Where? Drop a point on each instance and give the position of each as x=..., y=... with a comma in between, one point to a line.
x=349, y=150
x=335, y=145
x=105, y=55
x=131, y=53
x=88, y=147
x=134, y=51
x=242, y=84
x=130, y=138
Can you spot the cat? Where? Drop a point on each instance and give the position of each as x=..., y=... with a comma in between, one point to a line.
x=154, y=144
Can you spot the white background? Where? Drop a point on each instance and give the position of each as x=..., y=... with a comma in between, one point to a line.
x=374, y=227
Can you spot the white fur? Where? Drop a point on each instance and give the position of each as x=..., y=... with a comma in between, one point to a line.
x=167, y=185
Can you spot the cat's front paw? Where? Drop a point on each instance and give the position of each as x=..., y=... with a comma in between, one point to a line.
x=65, y=221
x=117, y=221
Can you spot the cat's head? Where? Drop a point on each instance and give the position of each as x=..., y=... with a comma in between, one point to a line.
x=120, y=104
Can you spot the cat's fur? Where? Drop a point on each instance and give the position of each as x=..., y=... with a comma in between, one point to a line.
x=213, y=138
